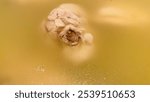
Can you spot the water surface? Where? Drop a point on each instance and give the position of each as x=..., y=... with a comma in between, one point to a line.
x=121, y=40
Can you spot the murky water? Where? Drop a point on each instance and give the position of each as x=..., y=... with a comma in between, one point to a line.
x=121, y=44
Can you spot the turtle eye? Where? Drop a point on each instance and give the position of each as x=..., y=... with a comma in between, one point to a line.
x=69, y=31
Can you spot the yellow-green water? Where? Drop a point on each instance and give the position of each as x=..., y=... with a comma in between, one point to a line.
x=121, y=40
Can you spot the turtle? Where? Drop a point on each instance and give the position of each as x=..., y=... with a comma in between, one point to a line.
x=66, y=23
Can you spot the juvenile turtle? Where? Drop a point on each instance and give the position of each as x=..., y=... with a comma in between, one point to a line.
x=66, y=22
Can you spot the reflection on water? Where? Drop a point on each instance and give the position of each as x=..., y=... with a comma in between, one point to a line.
x=121, y=38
